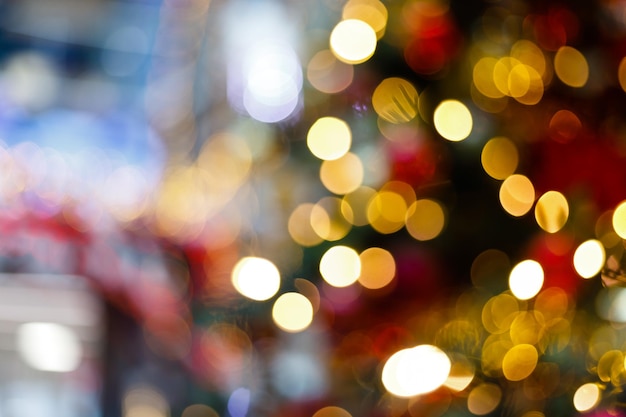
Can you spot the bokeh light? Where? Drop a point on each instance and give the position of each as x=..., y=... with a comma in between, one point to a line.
x=395, y=100
x=484, y=398
x=571, y=66
x=256, y=278
x=340, y=266
x=453, y=120
x=416, y=370
x=517, y=195
x=587, y=397
x=526, y=279
x=343, y=175
x=552, y=211
x=619, y=220
x=292, y=312
x=353, y=41
x=425, y=219
x=300, y=227
x=49, y=347
x=372, y=12
x=499, y=157
x=332, y=411
x=329, y=138
x=327, y=74
x=589, y=258
x=519, y=362
x=378, y=268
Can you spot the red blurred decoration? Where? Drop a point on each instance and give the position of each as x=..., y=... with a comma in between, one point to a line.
x=554, y=29
x=555, y=253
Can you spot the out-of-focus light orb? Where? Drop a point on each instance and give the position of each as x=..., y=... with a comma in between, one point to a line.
x=343, y=175
x=461, y=374
x=564, y=126
x=571, y=66
x=484, y=399
x=145, y=401
x=238, y=403
x=273, y=78
x=587, y=397
x=292, y=312
x=329, y=219
x=483, y=78
x=519, y=362
x=256, y=278
x=50, y=347
x=453, y=120
x=199, y=410
x=386, y=212
x=526, y=279
x=529, y=54
x=372, y=12
x=552, y=211
x=300, y=228
x=499, y=157
x=414, y=371
x=621, y=73
x=329, y=138
x=327, y=74
x=378, y=268
x=340, y=266
x=589, y=258
x=353, y=41
x=354, y=205
x=517, y=195
x=332, y=411
x=425, y=219
x=395, y=100
x=619, y=220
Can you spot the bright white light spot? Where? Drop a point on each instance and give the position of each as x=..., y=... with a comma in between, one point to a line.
x=587, y=397
x=256, y=278
x=526, y=279
x=340, y=266
x=415, y=371
x=353, y=41
x=292, y=312
x=49, y=346
x=453, y=120
x=589, y=258
x=239, y=402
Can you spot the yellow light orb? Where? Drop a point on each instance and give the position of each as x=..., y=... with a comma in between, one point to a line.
x=517, y=195
x=589, y=258
x=327, y=74
x=292, y=312
x=340, y=266
x=453, y=120
x=300, y=228
x=414, y=371
x=332, y=411
x=499, y=157
x=484, y=398
x=519, y=362
x=621, y=73
x=425, y=219
x=342, y=175
x=395, y=100
x=587, y=397
x=619, y=220
x=571, y=66
x=526, y=279
x=256, y=278
x=353, y=41
x=372, y=12
x=329, y=138
x=378, y=268
x=552, y=211
x=483, y=77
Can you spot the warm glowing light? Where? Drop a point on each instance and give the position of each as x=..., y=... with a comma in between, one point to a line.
x=199, y=410
x=353, y=41
x=395, y=100
x=499, y=312
x=378, y=268
x=499, y=157
x=589, y=258
x=49, y=347
x=372, y=12
x=300, y=227
x=517, y=195
x=354, y=205
x=330, y=220
x=519, y=362
x=256, y=278
x=386, y=212
x=551, y=211
x=564, y=126
x=621, y=73
x=415, y=371
x=292, y=312
x=484, y=79
x=484, y=398
x=425, y=219
x=327, y=74
x=587, y=397
x=461, y=375
x=329, y=138
x=619, y=220
x=453, y=120
x=332, y=411
x=340, y=266
x=570, y=65
x=145, y=401
x=342, y=175
x=526, y=279
x=530, y=54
